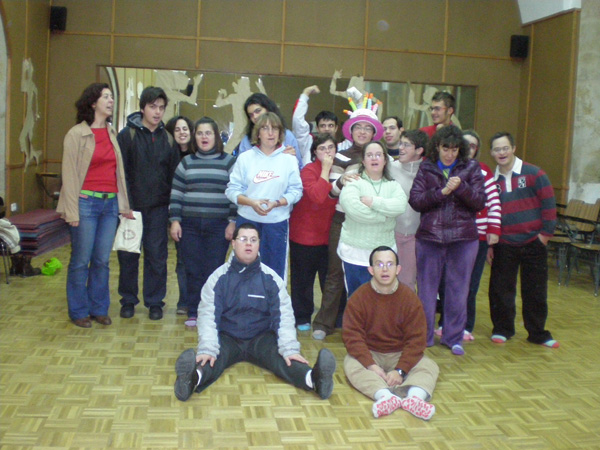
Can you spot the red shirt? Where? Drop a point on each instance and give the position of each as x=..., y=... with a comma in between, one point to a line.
x=102, y=173
x=311, y=217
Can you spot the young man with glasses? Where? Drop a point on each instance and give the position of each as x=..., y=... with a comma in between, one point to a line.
x=442, y=108
x=384, y=333
x=528, y=221
x=246, y=315
x=404, y=171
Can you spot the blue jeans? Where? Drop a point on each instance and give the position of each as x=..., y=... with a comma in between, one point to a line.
x=181, y=278
x=355, y=276
x=273, y=244
x=203, y=249
x=91, y=243
x=154, y=241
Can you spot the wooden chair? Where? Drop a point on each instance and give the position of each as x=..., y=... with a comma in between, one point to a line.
x=565, y=234
x=587, y=251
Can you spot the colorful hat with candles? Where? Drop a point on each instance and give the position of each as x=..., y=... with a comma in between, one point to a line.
x=363, y=115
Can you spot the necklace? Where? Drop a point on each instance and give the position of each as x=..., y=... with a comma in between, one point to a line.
x=374, y=188
x=393, y=289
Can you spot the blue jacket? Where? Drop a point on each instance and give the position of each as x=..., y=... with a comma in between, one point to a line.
x=245, y=301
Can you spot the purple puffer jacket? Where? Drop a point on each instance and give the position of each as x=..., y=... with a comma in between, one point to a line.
x=446, y=219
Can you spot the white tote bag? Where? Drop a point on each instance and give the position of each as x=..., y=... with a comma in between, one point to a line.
x=129, y=234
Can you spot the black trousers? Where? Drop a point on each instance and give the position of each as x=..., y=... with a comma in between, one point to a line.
x=532, y=260
x=306, y=261
x=261, y=351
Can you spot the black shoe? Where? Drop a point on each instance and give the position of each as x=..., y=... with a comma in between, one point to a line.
x=127, y=310
x=322, y=373
x=155, y=312
x=187, y=375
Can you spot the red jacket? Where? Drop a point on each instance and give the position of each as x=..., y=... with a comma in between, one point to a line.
x=311, y=217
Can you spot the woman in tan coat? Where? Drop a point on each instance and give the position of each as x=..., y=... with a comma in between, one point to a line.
x=92, y=196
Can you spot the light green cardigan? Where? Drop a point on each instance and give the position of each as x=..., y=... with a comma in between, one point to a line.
x=368, y=228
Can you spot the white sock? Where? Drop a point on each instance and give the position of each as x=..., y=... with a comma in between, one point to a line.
x=382, y=393
x=199, y=377
x=416, y=391
x=308, y=380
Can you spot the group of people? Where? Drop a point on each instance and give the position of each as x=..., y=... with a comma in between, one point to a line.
x=379, y=217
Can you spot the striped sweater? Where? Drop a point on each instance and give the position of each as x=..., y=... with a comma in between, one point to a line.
x=488, y=219
x=199, y=185
x=528, y=205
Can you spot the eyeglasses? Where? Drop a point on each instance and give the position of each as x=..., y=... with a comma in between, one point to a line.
x=269, y=128
x=244, y=239
x=388, y=265
x=437, y=108
x=204, y=133
x=325, y=148
x=366, y=128
x=501, y=149
x=374, y=155
x=406, y=144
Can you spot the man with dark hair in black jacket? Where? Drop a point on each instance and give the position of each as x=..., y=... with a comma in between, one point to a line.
x=150, y=162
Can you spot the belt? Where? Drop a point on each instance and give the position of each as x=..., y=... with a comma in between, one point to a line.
x=102, y=195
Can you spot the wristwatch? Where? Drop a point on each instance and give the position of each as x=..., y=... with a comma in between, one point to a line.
x=402, y=373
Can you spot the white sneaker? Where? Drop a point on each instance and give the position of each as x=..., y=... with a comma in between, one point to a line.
x=319, y=335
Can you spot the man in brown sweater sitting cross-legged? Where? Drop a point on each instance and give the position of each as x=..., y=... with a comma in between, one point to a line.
x=384, y=331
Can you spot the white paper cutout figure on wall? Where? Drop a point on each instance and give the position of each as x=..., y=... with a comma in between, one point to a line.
x=26, y=137
x=174, y=82
x=356, y=90
x=130, y=106
x=241, y=91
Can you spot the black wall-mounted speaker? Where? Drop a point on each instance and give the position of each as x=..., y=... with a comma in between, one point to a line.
x=519, y=46
x=58, y=18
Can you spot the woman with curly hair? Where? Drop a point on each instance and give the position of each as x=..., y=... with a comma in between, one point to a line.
x=448, y=191
x=92, y=196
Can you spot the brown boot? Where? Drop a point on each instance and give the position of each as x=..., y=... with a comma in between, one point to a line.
x=29, y=271
x=16, y=264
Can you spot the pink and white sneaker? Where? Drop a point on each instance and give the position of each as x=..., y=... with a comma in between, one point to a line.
x=386, y=405
x=418, y=408
x=438, y=332
x=468, y=336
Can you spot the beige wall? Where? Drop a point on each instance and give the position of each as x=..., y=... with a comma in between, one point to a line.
x=434, y=41
x=26, y=28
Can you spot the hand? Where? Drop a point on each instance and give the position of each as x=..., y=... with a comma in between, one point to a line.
x=289, y=150
x=257, y=206
x=229, y=231
x=203, y=358
x=366, y=200
x=490, y=256
x=75, y=223
x=393, y=378
x=129, y=215
x=492, y=238
x=349, y=177
x=296, y=357
x=175, y=231
x=378, y=370
x=337, y=74
x=543, y=239
x=311, y=90
x=327, y=163
x=453, y=183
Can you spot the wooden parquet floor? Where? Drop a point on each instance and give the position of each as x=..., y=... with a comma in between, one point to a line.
x=64, y=387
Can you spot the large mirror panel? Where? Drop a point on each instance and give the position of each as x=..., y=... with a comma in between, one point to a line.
x=221, y=96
